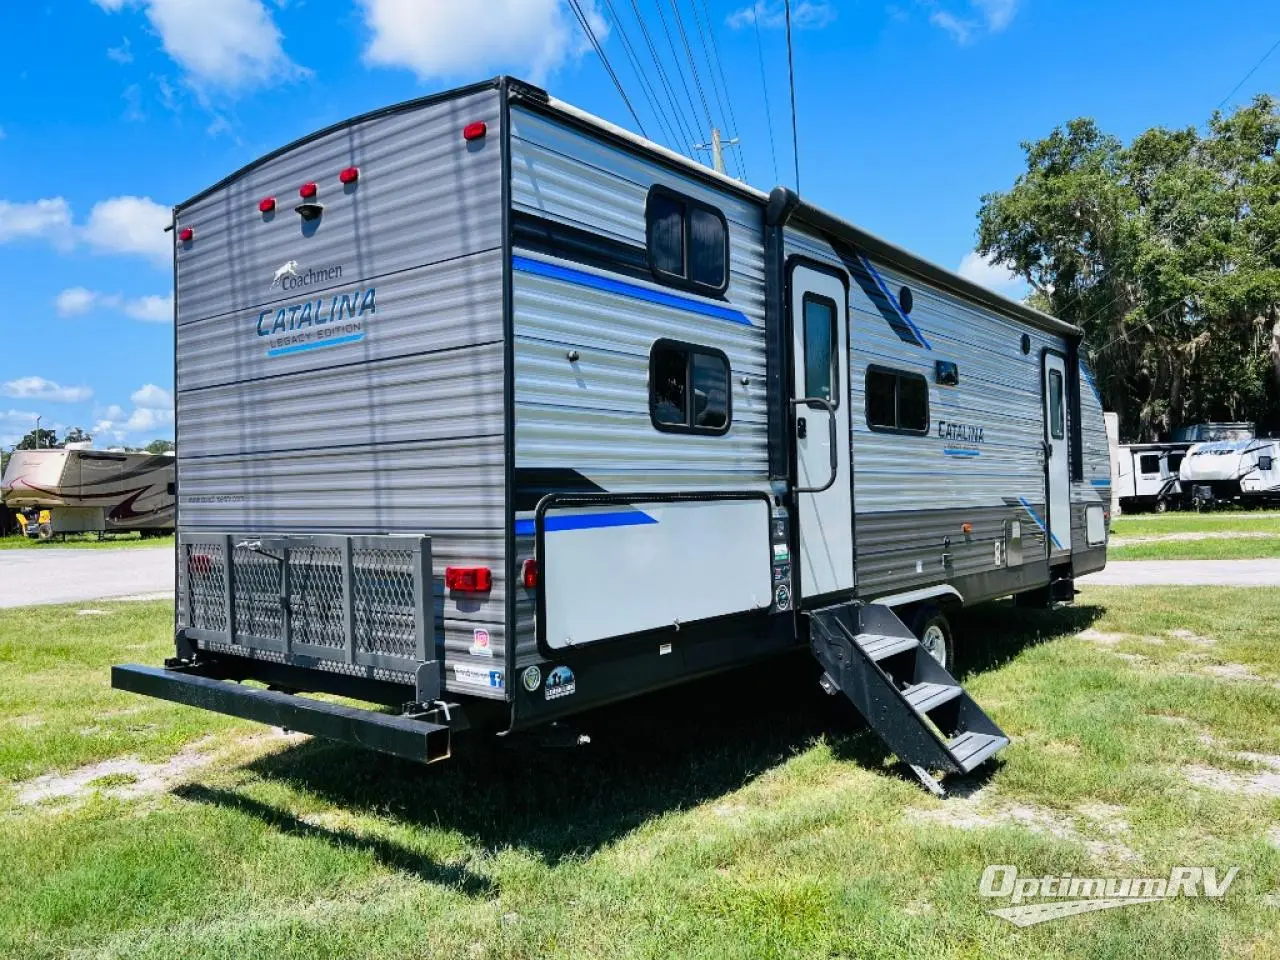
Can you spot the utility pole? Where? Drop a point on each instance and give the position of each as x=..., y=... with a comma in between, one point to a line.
x=716, y=146
x=37, y=433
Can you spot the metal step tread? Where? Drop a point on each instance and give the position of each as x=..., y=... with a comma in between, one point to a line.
x=924, y=697
x=970, y=749
x=877, y=647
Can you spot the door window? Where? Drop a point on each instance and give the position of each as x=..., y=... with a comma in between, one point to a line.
x=1057, y=428
x=820, y=338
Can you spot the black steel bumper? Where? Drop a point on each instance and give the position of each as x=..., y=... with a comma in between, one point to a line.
x=400, y=736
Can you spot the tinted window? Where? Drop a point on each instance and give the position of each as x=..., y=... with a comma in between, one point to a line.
x=1175, y=461
x=688, y=388
x=819, y=355
x=706, y=248
x=897, y=401
x=688, y=241
x=1149, y=463
x=1056, y=428
x=666, y=233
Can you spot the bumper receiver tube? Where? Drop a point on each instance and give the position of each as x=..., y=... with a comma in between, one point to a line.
x=400, y=736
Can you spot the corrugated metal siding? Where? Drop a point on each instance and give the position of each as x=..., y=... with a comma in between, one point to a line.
x=400, y=432
x=593, y=415
x=908, y=494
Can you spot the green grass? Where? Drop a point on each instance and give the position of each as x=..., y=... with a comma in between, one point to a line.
x=744, y=816
x=1244, y=548
x=18, y=542
x=1227, y=521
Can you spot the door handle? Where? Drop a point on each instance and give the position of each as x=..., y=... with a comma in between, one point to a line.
x=802, y=428
x=828, y=406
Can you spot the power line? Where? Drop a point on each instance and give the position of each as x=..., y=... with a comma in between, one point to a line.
x=791, y=78
x=1251, y=72
x=714, y=64
x=672, y=100
x=693, y=67
x=591, y=35
x=645, y=86
x=675, y=55
x=768, y=114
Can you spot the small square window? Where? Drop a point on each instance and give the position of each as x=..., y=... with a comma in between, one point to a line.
x=688, y=242
x=689, y=390
x=897, y=401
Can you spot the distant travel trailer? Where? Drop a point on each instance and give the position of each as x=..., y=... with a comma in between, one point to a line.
x=1234, y=472
x=492, y=412
x=1145, y=476
x=90, y=491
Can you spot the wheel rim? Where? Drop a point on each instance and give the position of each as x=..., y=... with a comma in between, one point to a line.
x=934, y=642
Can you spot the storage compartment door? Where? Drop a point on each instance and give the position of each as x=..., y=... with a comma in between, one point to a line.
x=621, y=568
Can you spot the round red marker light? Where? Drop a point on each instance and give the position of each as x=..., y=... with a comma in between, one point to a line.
x=475, y=131
x=307, y=191
x=267, y=204
x=349, y=175
x=186, y=234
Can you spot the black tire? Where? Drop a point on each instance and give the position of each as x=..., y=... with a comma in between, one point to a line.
x=44, y=532
x=933, y=630
x=1161, y=505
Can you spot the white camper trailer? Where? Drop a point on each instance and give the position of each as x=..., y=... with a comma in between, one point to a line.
x=1145, y=476
x=91, y=491
x=616, y=421
x=1226, y=472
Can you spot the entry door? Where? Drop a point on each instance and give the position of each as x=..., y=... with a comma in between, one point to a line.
x=1057, y=466
x=820, y=425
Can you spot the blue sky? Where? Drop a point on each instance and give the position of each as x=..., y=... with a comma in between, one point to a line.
x=908, y=111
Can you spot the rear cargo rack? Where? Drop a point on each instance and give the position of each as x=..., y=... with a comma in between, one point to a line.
x=360, y=602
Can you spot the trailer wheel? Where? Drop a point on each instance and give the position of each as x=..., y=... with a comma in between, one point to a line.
x=44, y=531
x=1161, y=505
x=933, y=630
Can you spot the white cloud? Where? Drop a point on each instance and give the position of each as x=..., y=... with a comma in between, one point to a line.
x=152, y=412
x=997, y=13
x=130, y=225
x=961, y=30
x=121, y=54
x=38, y=388
x=39, y=220
x=987, y=273
x=1, y=133
x=448, y=39
x=76, y=301
x=228, y=46
x=771, y=14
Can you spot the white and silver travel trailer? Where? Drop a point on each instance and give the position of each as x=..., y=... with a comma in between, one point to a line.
x=1224, y=472
x=1145, y=476
x=617, y=421
x=91, y=491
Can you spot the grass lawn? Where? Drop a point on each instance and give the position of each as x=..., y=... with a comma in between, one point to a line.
x=744, y=816
x=18, y=542
x=1225, y=521
x=1229, y=535
x=1215, y=548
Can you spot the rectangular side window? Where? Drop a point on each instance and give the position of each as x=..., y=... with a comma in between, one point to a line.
x=1149, y=464
x=1056, y=427
x=897, y=401
x=689, y=389
x=688, y=242
x=820, y=357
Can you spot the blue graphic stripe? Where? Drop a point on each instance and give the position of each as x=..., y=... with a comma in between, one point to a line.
x=958, y=452
x=894, y=302
x=594, y=281
x=586, y=521
x=1101, y=483
x=315, y=345
x=1039, y=523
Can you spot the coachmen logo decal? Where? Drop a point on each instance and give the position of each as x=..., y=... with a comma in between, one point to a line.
x=315, y=324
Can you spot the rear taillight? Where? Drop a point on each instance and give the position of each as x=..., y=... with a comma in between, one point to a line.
x=475, y=131
x=307, y=191
x=468, y=579
x=529, y=574
x=186, y=234
x=349, y=175
x=266, y=204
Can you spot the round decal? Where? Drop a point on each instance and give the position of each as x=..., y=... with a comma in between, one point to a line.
x=782, y=597
x=532, y=679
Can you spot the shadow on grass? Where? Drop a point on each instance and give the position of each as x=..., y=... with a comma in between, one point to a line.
x=655, y=754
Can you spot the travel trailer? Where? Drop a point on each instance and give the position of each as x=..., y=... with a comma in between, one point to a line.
x=1145, y=476
x=90, y=491
x=491, y=411
x=1232, y=472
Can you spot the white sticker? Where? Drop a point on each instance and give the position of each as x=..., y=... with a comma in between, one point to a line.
x=480, y=676
x=480, y=643
x=664, y=649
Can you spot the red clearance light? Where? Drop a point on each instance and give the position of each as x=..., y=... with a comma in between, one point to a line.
x=349, y=175
x=267, y=204
x=529, y=574
x=186, y=234
x=307, y=191
x=474, y=131
x=468, y=579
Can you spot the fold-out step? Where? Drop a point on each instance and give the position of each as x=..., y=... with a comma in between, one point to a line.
x=971, y=748
x=926, y=696
x=878, y=647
